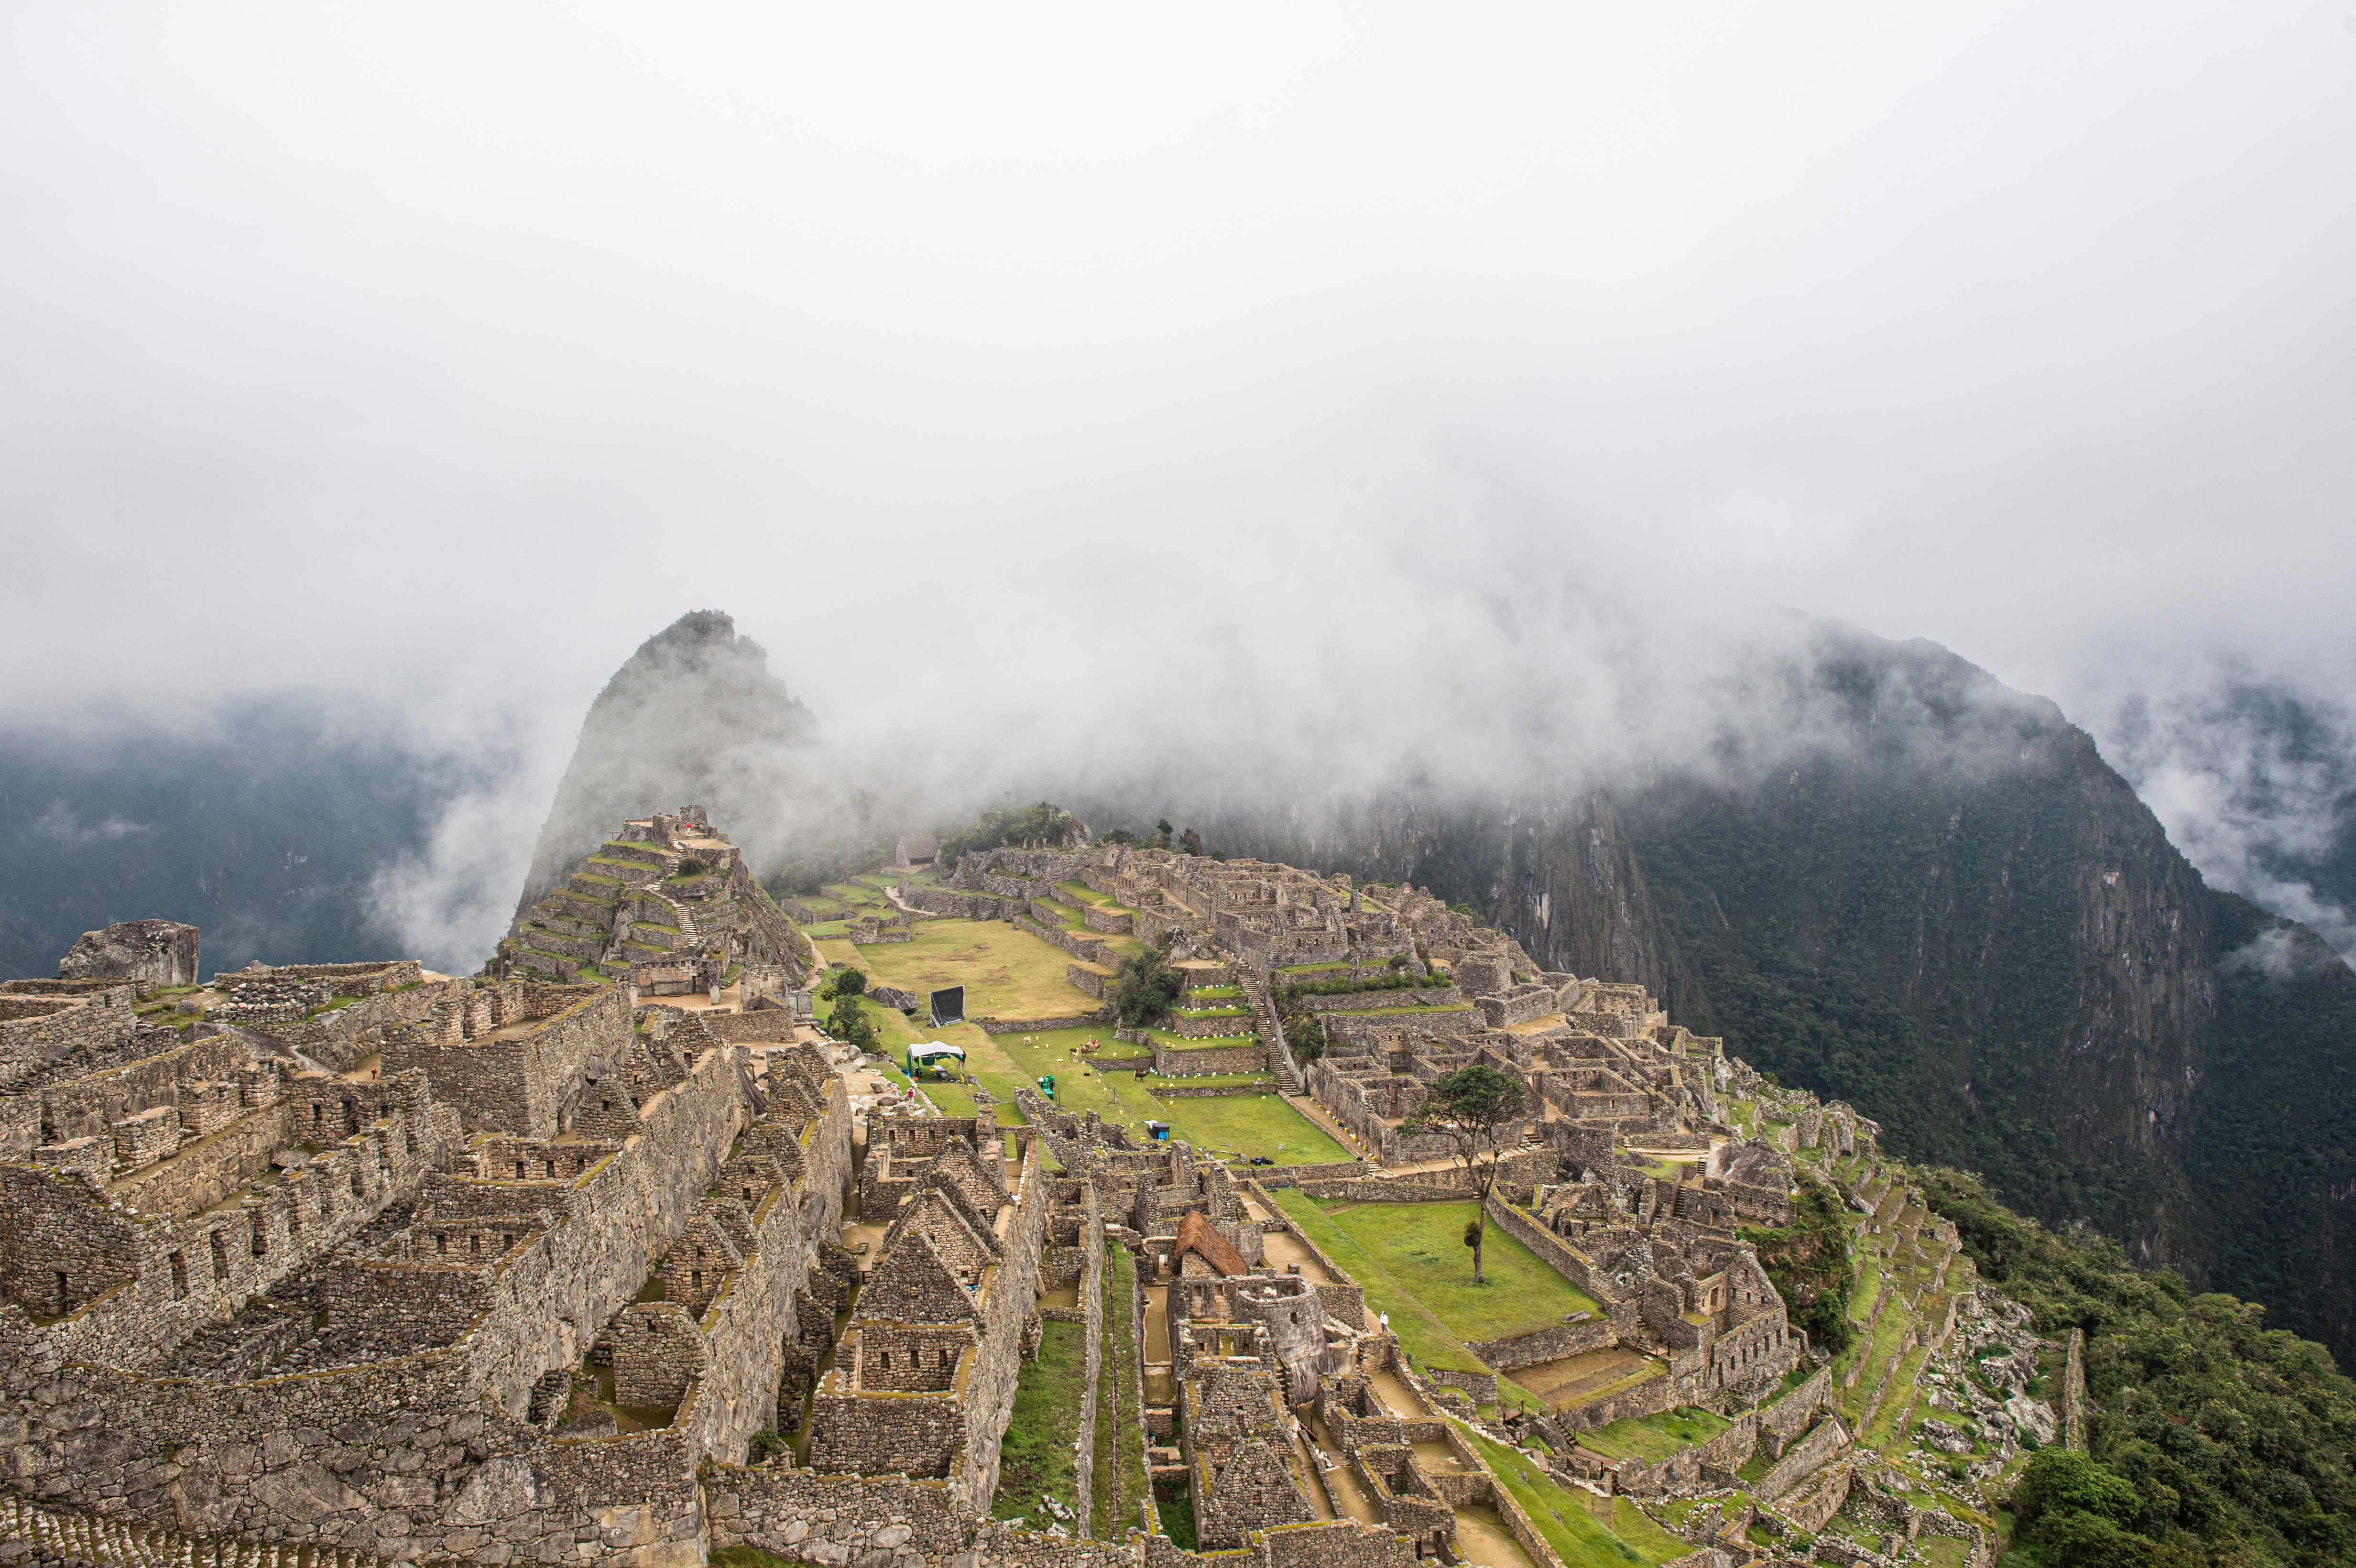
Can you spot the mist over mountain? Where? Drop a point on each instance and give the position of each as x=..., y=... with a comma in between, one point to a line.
x=2256, y=781
x=1926, y=893
x=1873, y=867
x=266, y=820
x=694, y=717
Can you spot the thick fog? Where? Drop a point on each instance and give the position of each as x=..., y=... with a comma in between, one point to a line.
x=1476, y=387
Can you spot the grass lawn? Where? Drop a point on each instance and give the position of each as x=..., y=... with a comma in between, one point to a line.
x=1236, y=1126
x=1653, y=1438
x=1862, y=1295
x=1006, y=972
x=1563, y=1517
x=1081, y=893
x=1412, y=1261
x=1040, y=1457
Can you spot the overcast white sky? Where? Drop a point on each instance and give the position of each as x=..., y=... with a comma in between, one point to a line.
x=446, y=352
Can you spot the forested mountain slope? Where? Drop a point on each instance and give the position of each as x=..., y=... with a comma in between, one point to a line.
x=1944, y=907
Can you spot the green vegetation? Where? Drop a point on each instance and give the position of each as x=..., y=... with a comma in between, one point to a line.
x=1041, y=1457
x=1039, y=826
x=2234, y=1440
x=1240, y=1125
x=1145, y=988
x=1653, y=1438
x=1407, y=1256
x=1562, y=1516
x=1476, y=1109
x=1006, y=971
x=1808, y=1263
x=1120, y=1478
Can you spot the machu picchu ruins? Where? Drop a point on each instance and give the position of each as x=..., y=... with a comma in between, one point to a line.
x=660, y=1240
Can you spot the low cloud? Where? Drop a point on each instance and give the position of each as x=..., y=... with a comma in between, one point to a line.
x=60, y=823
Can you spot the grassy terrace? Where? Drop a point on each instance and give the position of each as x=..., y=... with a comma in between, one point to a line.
x=1119, y=1479
x=1567, y=1521
x=1238, y=1126
x=1176, y=1041
x=1081, y=893
x=1072, y=921
x=1412, y=1261
x=1039, y=1458
x=1653, y=1438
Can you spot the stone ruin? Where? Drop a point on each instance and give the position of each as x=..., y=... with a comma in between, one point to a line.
x=670, y=907
x=378, y=1263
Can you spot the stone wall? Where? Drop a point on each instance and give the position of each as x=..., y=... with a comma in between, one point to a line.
x=1823, y=1441
x=36, y=1032
x=1176, y=1061
x=338, y=1040
x=284, y=1454
x=1084, y=948
x=1042, y=1026
x=89, y=1105
x=524, y=1084
x=1404, y=996
x=1546, y=1344
x=1788, y=1417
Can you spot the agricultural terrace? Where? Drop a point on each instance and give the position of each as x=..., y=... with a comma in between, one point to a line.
x=1413, y=1263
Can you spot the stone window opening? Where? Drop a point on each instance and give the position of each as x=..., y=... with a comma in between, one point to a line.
x=179, y=1276
x=65, y=1295
x=220, y=1257
x=358, y=1191
x=260, y=1238
x=441, y=1240
x=318, y=1114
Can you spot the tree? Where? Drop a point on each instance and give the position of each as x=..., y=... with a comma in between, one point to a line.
x=852, y=1024
x=1145, y=988
x=846, y=982
x=1474, y=1108
x=1161, y=834
x=1190, y=841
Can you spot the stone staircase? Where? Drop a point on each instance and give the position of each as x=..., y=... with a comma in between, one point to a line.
x=37, y=1536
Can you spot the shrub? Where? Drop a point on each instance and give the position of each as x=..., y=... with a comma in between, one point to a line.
x=1145, y=988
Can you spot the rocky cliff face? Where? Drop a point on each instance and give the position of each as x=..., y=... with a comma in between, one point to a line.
x=1947, y=908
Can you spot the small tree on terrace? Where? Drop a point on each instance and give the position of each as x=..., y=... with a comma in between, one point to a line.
x=1475, y=1108
x=1145, y=988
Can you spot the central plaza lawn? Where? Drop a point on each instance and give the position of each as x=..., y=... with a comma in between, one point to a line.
x=1412, y=1261
x=1006, y=972
x=1009, y=973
